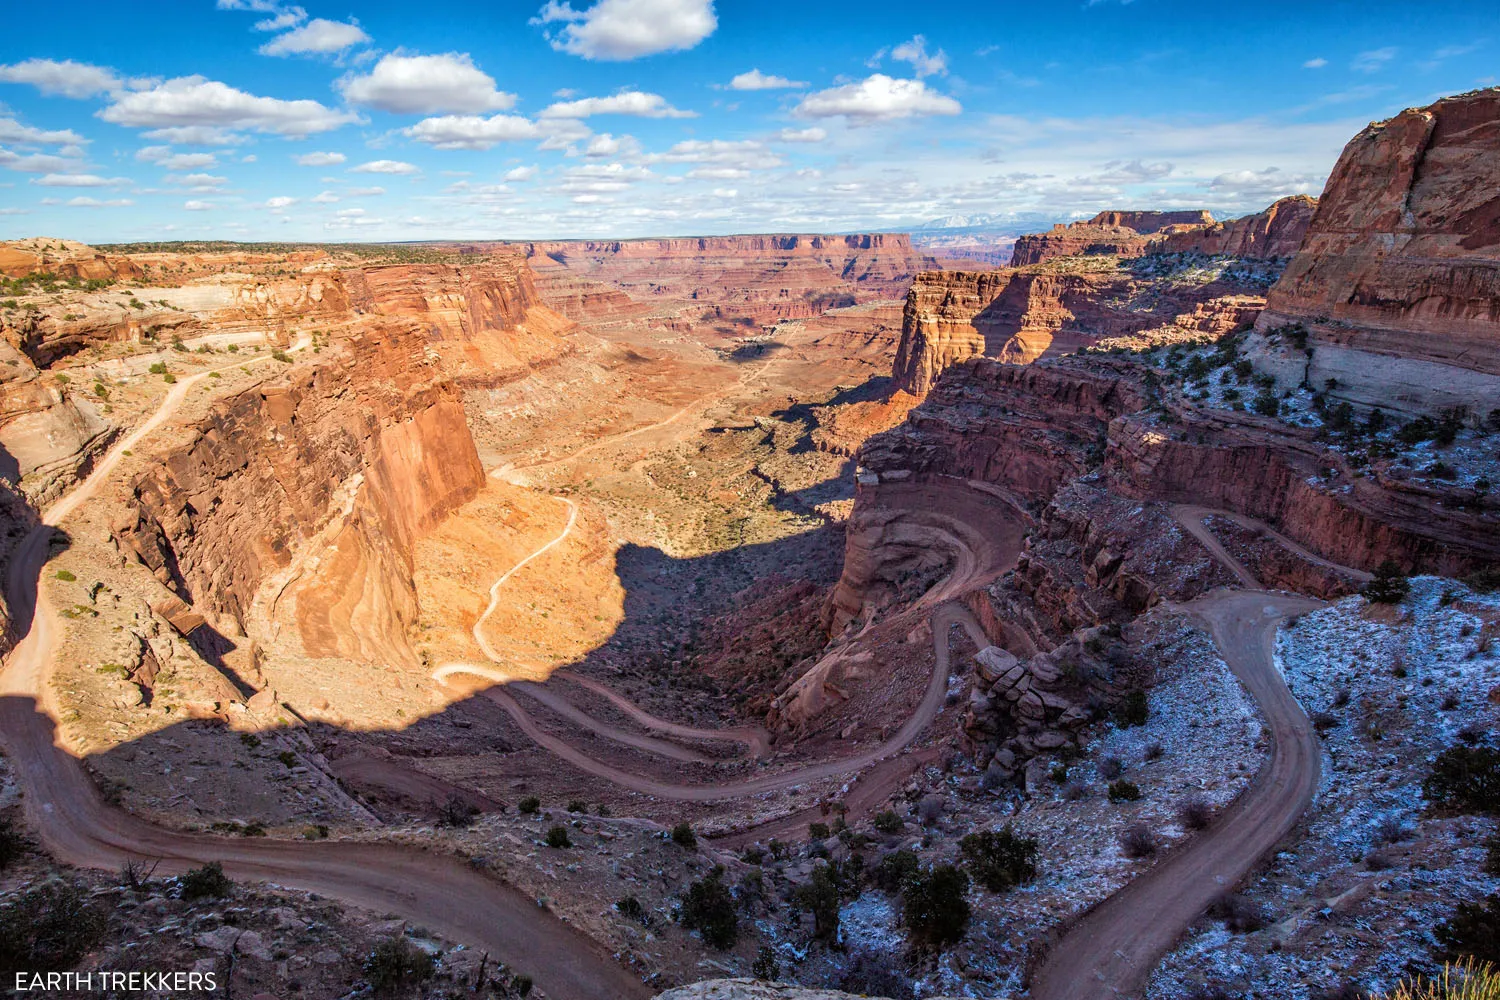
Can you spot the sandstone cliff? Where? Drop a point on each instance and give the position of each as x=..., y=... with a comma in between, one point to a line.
x=1121, y=233
x=1397, y=283
x=322, y=482
x=1275, y=232
x=63, y=258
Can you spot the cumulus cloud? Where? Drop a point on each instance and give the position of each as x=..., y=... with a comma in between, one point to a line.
x=319, y=159
x=366, y=192
x=197, y=102
x=520, y=173
x=195, y=135
x=626, y=102
x=78, y=180
x=1131, y=172
x=164, y=157
x=280, y=201
x=405, y=84
x=922, y=63
x=199, y=206
x=36, y=163
x=813, y=134
x=756, y=80
x=326, y=198
x=1373, y=60
x=385, y=167
x=198, y=182
x=605, y=145
x=740, y=155
x=84, y=201
x=13, y=131
x=628, y=29
x=62, y=79
x=316, y=37
x=1317, y=62
x=471, y=131
x=1262, y=185
x=599, y=178
x=877, y=98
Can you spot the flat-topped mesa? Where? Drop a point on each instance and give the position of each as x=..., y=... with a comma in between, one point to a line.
x=1395, y=293
x=1124, y=234
x=1274, y=233
x=63, y=258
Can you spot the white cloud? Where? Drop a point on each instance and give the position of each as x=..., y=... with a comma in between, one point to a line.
x=813, y=134
x=605, y=145
x=385, y=167
x=280, y=201
x=65, y=79
x=718, y=173
x=78, y=180
x=1131, y=172
x=319, y=159
x=164, y=157
x=471, y=131
x=195, y=101
x=597, y=178
x=740, y=156
x=202, y=183
x=756, y=80
x=628, y=29
x=195, y=135
x=1262, y=185
x=199, y=206
x=13, y=131
x=923, y=64
x=317, y=36
x=403, y=84
x=877, y=98
x=520, y=173
x=1318, y=62
x=627, y=102
x=1373, y=60
x=364, y=192
x=84, y=201
x=349, y=213
x=326, y=198
x=36, y=163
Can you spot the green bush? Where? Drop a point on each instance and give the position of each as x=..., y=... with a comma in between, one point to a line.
x=708, y=908
x=208, y=882
x=934, y=906
x=1134, y=710
x=999, y=860
x=683, y=835
x=1465, y=779
x=766, y=968
x=1390, y=585
x=12, y=844
x=578, y=806
x=1472, y=931
x=888, y=822
x=395, y=965
x=521, y=985
x=892, y=872
x=529, y=805
x=65, y=576
x=631, y=909
x=1484, y=581
x=1123, y=791
x=818, y=831
x=48, y=927
x=820, y=897
x=557, y=837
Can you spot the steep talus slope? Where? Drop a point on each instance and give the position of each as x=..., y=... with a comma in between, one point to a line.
x=363, y=452
x=1275, y=232
x=1043, y=310
x=1397, y=284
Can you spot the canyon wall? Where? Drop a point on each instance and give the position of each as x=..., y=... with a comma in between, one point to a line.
x=1124, y=234
x=323, y=482
x=1397, y=283
x=1273, y=233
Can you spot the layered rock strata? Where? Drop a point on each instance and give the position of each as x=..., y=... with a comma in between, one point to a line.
x=1124, y=234
x=1276, y=232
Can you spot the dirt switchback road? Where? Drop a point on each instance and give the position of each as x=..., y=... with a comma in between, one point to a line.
x=1111, y=951
x=77, y=827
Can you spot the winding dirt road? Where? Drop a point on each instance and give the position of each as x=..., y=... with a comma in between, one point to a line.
x=78, y=827
x=1111, y=950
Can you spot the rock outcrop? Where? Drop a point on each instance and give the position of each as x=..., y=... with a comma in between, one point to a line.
x=1274, y=233
x=1397, y=284
x=1124, y=234
x=63, y=258
x=323, y=483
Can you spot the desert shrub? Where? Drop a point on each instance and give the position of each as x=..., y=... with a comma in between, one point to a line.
x=578, y=806
x=1240, y=916
x=1074, y=791
x=1134, y=710
x=765, y=967
x=529, y=805
x=457, y=811
x=12, y=844
x=891, y=873
x=1391, y=829
x=1465, y=980
x=159, y=368
x=557, y=836
x=631, y=909
x=708, y=908
x=683, y=835
x=1485, y=580
x=65, y=576
x=1389, y=586
x=1153, y=751
x=876, y=973
x=1111, y=767
x=934, y=906
x=753, y=856
x=1465, y=779
x=395, y=965
x=999, y=860
x=48, y=927
x=888, y=822
x=521, y=985
x=820, y=897
x=1195, y=813
x=208, y=882
x=1492, y=856
x=818, y=831
x=930, y=809
x=1472, y=932
x=1123, y=791
x=1137, y=841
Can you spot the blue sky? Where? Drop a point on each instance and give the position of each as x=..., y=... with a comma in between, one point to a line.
x=262, y=120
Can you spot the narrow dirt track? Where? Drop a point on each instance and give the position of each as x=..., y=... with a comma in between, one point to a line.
x=77, y=827
x=1110, y=952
